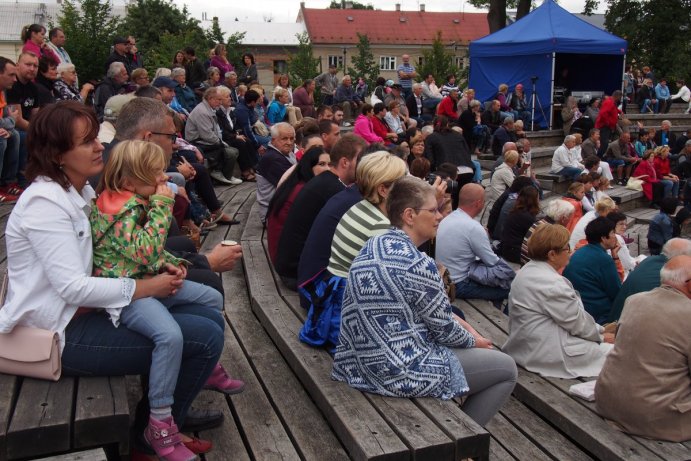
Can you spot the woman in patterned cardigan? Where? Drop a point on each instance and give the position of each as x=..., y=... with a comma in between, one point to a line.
x=398, y=335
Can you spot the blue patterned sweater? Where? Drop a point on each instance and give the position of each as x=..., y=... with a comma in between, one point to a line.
x=396, y=324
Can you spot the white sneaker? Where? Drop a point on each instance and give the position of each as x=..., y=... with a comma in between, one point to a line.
x=235, y=181
x=218, y=176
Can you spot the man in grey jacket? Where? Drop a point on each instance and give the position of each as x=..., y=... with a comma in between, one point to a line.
x=203, y=131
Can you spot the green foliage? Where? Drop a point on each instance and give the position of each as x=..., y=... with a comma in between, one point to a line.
x=438, y=61
x=89, y=28
x=302, y=64
x=234, y=47
x=336, y=5
x=161, y=29
x=496, y=15
x=656, y=32
x=363, y=62
x=215, y=34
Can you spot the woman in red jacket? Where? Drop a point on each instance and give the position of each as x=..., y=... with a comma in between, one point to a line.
x=652, y=187
x=669, y=181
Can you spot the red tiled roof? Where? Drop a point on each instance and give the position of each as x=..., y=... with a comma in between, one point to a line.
x=389, y=28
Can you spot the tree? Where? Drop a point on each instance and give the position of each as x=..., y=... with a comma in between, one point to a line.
x=336, y=5
x=496, y=14
x=90, y=27
x=234, y=47
x=363, y=62
x=656, y=33
x=438, y=61
x=215, y=34
x=302, y=65
x=150, y=20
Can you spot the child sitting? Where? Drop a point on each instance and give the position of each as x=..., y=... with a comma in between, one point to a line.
x=129, y=223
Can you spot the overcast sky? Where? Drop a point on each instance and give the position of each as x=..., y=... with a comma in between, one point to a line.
x=287, y=10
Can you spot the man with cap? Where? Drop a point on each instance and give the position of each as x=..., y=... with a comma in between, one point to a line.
x=167, y=87
x=106, y=131
x=113, y=84
x=397, y=95
x=120, y=49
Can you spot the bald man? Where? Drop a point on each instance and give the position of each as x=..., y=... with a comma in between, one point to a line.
x=645, y=384
x=461, y=240
x=646, y=275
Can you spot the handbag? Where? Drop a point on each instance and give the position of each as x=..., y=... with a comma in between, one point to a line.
x=28, y=351
x=635, y=184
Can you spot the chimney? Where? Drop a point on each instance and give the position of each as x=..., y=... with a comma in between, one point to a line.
x=398, y=7
x=302, y=5
x=422, y=7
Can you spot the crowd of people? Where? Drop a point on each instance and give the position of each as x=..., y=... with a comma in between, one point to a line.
x=377, y=230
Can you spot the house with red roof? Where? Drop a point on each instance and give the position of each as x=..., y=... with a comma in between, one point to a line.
x=333, y=33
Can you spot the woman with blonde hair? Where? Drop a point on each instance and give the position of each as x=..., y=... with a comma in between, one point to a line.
x=220, y=59
x=570, y=113
x=550, y=332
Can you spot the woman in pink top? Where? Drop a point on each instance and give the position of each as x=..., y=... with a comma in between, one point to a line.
x=220, y=60
x=33, y=37
x=363, y=125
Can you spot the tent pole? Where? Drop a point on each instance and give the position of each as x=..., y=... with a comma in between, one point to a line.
x=623, y=72
x=551, y=93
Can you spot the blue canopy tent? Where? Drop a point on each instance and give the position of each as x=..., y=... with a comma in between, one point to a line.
x=548, y=42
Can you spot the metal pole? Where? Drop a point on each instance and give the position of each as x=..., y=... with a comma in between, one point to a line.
x=551, y=92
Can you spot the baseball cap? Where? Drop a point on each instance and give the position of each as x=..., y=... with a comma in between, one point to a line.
x=114, y=106
x=165, y=82
x=120, y=40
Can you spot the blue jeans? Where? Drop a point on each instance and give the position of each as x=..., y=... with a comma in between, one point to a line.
x=648, y=106
x=468, y=289
x=477, y=168
x=671, y=188
x=431, y=103
x=95, y=347
x=571, y=172
x=9, y=157
x=150, y=317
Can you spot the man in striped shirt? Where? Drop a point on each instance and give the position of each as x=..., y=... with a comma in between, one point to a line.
x=406, y=75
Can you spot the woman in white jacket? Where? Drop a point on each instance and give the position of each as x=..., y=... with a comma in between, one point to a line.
x=550, y=332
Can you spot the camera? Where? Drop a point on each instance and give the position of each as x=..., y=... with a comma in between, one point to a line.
x=533, y=79
x=451, y=185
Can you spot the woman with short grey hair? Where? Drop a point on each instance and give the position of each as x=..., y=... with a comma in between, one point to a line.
x=66, y=85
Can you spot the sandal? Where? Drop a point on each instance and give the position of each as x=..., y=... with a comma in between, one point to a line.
x=219, y=220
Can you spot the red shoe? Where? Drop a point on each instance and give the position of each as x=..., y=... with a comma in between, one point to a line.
x=8, y=198
x=162, y=437
x=14, y=189
x=220, y=381
x=198, y=446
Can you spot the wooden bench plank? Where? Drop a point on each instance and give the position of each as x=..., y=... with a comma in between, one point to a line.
x=359, y=427
x=8, y=388
x=426, y=441
x=254, y=414
x=303, y=420
x=101, y=415
x=513, y=440
x=41, y=421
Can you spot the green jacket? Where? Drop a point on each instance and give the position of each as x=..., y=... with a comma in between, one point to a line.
x=129, y=234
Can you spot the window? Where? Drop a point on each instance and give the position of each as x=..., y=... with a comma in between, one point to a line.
x=420, y=61
x=335, y=60
x=387, y=63
x=461, y=62
x=280, y=67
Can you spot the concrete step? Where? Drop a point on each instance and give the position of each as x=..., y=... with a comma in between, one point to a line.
x=656, y=119
x=545, y=138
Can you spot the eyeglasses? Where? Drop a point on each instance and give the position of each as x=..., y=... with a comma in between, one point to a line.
x=173, y=136
x=561, y=250
x=431, y=210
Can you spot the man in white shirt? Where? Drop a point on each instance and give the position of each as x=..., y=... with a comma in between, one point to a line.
x=56, y=42
x=566, y=161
